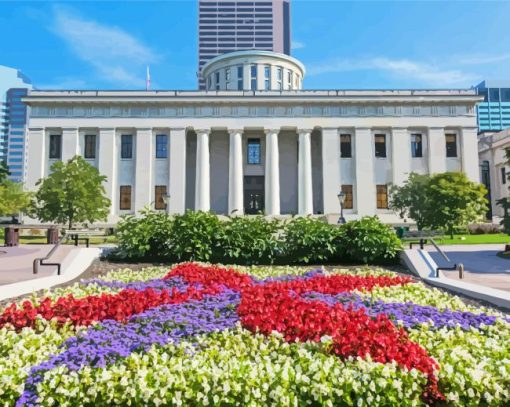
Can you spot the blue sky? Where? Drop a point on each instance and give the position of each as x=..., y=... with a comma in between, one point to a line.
x=357, y=44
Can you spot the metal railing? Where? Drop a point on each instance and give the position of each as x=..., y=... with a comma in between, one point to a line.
x=443, y=254
x=41, y=261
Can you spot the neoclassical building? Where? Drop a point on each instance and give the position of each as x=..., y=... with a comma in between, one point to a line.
x=254, y=141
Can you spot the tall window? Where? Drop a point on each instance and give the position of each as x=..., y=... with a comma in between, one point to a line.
x=217, y=80
x=240, y=77
x=345, y=146
x=503, y=175
x=267, y=77
x=161, y=146
x=56, y=146
x=380, y=145
x=90, y=146
x=279, y=78
x=125, y=197
x=382, y=197
x=253, y=151
x=253, y=75
x=451, y=145
x=209, y=85
x=227, y=78
x=416, y=145
x=160, y=193
x=289, y=80
x=347, y=190
x=126, y=146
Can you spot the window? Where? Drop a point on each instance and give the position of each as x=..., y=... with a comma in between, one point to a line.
x=494, y=95
x=451, y=145
x=503, y=175
x=289, y=80
x=90, y=146
x=267, y=77
x=217, y=80
x=347, y=190
x=56, y=146
x=227, y=78
x=253, y=151
x=160, y=194
x=126, y=147
x=209, y=85
x=161, y=146
x=416, y=145
x=253, y=74
x=240, y=75
x=505, y=95
x=380, y=145
x=345, y=146
x=125, y=197
x=382, y=197
x=279, y=78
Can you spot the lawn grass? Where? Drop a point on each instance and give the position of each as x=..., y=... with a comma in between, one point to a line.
x=502, y=238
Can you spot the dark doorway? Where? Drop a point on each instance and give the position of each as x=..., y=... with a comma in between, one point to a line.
x=253, y=194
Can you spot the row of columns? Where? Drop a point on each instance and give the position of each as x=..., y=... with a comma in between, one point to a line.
x=272, y=173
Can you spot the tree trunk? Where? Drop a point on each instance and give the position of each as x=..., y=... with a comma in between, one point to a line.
x=450, y=230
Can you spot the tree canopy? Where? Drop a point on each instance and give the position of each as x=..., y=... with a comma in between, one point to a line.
x=13, y=199
x=4, y=172
x=72, y=193
x=440, y=201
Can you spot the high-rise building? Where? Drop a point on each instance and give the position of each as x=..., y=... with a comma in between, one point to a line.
x=236, y=25
x=494, y=111
x=13, y=119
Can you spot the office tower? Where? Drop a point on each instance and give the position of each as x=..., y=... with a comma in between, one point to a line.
x=236, y=25
x=494, y=111
x=13, y=118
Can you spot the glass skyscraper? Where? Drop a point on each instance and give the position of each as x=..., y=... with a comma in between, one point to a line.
x=13, y=119
x=236, y=25
x=494, y=112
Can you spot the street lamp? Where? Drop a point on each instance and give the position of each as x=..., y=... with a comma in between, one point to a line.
x=341, y=199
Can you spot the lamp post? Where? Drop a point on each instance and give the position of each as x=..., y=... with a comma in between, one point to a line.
x=341, y=199
x=166, y=199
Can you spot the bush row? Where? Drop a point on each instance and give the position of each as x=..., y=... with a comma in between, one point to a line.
x=203, y=236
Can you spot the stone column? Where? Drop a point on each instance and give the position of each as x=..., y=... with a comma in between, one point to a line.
x=400, y=155
x=469, y=153
x=365, y=181
x=331, y=170
x=203, y=183
x=177, y=171
x=108, y=164
x=437, y=150
x=272, y=173
x=37, y=156
x=305, y=191
x=70, y=143
x=235, y=173
x=143, y=169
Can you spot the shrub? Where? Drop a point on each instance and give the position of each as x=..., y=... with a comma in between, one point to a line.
x=484, y=228
x=249, y=240
x=145, y=236
x=308, y=240
x=368, y=240
x=194, y=236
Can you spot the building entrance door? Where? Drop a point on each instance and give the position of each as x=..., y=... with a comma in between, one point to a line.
x=253, y=194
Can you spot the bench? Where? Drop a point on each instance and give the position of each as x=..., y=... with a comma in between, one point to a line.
x=423, y=235
x=83, y=235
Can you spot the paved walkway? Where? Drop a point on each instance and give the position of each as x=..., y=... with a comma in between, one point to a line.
x=16, y=262
x=481, y=263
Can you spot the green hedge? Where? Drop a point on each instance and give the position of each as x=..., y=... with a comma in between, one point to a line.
x=202, y=236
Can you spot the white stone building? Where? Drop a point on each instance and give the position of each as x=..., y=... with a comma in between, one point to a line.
x=494, y=168
x=270, y=146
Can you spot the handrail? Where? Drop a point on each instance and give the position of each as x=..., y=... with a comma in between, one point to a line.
x=440, y=251
x=40, y=260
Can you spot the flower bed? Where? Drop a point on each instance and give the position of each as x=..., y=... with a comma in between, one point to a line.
x=209, y=335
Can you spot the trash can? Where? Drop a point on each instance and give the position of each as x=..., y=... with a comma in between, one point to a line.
x=400, y=232
x=52, y=236
x=11, y=237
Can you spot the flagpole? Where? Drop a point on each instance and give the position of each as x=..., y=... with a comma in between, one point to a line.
x=148, y=79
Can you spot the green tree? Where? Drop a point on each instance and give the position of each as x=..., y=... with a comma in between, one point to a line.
x=4, y=172
x=13, y=199
x=72, y=193
x=411, y=199
x=505, y=202
x=454, y=201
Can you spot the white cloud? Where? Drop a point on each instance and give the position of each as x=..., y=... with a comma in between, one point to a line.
x=64, y=83
x=480, y=59
x=297, y=45
x=116, y=56
x=404, y=68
